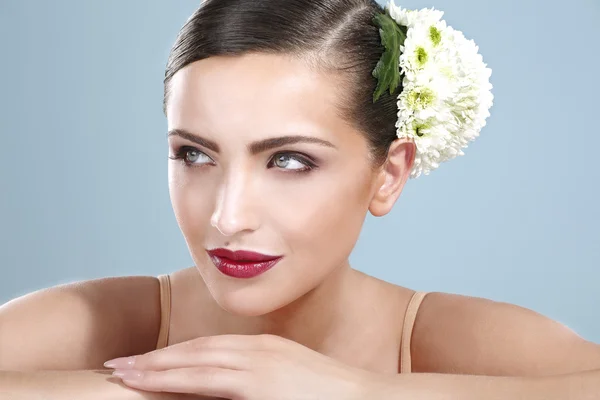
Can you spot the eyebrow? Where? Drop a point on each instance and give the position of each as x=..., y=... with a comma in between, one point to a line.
x=254, y=147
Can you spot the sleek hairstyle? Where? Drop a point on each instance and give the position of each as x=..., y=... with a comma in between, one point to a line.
x=333, y=36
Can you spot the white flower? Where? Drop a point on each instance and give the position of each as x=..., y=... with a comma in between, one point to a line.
x=446, y=93
x=410, y=18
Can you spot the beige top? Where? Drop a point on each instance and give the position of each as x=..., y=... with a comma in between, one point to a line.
x=407, y=327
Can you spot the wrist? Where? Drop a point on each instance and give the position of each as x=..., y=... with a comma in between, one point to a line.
x=395, y=387
x=383, y=386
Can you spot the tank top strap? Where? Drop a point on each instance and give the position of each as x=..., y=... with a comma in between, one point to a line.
x=165, y=311
x=407, y=328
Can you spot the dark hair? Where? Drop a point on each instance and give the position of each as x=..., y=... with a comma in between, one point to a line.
x=336, y=36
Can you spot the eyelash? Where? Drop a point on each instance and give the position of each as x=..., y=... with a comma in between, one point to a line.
x=182, y=151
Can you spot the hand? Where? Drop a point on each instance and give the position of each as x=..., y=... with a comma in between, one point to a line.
x=244, y=367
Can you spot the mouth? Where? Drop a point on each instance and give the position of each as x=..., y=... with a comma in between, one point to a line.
x=242, y=263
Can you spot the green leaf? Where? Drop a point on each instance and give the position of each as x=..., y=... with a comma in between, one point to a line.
x=387, y=70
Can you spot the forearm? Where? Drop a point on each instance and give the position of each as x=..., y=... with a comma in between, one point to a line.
x=81, y=385
x=418, y=386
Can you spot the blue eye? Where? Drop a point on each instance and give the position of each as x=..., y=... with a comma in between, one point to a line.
x=185, y=153
x=292, y=162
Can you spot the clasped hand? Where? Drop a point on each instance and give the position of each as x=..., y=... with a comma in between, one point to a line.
x=244, y=367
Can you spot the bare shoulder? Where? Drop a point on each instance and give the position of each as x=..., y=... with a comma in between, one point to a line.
x=80, y=325
x=470, y=335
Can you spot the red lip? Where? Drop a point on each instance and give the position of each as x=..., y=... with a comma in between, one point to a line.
x=242, y=264
x=241, y=255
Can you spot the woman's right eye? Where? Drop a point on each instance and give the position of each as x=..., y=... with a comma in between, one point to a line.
x=190, y=155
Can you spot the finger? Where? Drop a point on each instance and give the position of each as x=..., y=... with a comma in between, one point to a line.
x=264, y=342
x=203, y=381
x=234, y=342
x=231, y=342
x=180, y=358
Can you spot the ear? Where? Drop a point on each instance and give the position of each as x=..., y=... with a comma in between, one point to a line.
x=393, y=175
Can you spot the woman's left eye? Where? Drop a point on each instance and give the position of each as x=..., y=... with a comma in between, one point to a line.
x=292, y=162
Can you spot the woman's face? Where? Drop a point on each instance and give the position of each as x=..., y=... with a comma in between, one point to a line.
x=245, y=188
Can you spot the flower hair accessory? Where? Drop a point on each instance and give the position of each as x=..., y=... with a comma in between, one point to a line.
x=446, y=92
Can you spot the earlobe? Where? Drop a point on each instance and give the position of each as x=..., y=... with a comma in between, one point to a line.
x=393, y=176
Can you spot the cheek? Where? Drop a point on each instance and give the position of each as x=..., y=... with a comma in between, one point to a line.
x=319, y=217
x=323, y=220
x=191, y=206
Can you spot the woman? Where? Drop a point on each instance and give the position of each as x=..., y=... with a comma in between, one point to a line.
x=285, y=129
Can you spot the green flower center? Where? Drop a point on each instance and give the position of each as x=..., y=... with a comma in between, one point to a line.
x=421, y=56
x=420, y=98
x=419, y=129
x=435, y=35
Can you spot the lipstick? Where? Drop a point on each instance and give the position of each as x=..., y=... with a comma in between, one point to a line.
x=242, y=263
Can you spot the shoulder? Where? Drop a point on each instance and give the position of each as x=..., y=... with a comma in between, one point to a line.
x=80, y=325
x=476, y=336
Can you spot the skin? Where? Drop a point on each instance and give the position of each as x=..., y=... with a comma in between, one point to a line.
x=239, y=199
x=230, y=196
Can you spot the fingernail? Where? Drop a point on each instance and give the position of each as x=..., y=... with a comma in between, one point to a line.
x=129, y=375
x=121, y=362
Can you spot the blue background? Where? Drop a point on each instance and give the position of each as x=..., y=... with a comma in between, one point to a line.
x=83, y=158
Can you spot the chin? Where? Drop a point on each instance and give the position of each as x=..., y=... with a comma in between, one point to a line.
x=243, y=303
x=274, y=290
x=242, y=299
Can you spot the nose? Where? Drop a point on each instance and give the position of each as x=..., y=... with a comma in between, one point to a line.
x=235, y=208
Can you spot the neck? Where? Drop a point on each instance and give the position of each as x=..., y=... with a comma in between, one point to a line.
x=315, y=319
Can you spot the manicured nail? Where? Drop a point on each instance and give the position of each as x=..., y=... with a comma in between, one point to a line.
x=121, y=363
x=129, y=374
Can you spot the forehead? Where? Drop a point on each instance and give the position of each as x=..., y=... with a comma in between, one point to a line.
x=261, y=93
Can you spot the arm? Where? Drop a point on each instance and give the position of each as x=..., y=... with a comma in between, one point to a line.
x=473, y=348
x=429, y=386
x=67, y=385
x=464, y=335
x=53, y=342
x=78, y=326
